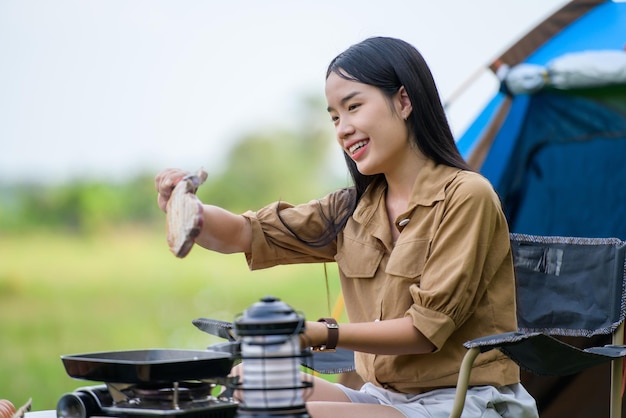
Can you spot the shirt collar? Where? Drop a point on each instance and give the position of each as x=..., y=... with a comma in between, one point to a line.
x=431, y=183
x=429, y=187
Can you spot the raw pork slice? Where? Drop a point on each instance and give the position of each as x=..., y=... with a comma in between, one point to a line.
x=184, y=214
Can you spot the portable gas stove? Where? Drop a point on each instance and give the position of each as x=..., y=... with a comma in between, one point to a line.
x=149, y=383
x=195, y=384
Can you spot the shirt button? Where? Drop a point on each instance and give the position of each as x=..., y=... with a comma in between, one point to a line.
x=403, y=222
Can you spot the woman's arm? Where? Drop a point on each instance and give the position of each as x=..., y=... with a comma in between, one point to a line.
x=394, y=336
x=222, y=231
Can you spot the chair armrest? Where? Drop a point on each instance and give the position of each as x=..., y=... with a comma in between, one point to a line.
x=463, y=381
x=490, y=342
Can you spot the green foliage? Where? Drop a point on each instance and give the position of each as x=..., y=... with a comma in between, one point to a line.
x=84, y=207
x=265, y=168
x=122, y=290
x=278, y=164
x=85, y=265
x=274, y=164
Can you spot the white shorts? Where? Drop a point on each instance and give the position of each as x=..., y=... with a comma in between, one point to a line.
x=481, y=401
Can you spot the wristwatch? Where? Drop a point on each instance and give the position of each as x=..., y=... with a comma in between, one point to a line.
x=333, y=335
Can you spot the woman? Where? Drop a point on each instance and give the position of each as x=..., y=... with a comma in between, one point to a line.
x=421, y=244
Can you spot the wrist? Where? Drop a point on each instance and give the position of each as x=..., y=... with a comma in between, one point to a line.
x=331, y=330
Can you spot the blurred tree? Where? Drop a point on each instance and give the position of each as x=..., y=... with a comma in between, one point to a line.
x=82, y=207
x=290, y=164
x=287, y=164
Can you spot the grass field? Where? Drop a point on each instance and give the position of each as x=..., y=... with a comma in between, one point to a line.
x=118, y=290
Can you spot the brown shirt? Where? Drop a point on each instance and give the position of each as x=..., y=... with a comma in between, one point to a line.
x=450, y=270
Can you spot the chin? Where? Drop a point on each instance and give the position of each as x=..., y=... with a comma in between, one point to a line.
x=367, y=172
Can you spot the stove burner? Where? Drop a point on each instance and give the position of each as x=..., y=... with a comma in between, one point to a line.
x=181, y=392
x=147, y=400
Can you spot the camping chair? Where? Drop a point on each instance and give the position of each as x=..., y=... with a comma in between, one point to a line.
x=565, y=287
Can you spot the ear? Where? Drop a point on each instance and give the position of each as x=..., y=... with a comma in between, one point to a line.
x=403, y=103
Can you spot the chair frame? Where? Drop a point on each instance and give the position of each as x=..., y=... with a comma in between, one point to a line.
x=617, y=350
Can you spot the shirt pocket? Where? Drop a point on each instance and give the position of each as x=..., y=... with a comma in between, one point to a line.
x=408, y=258
x=358, y=260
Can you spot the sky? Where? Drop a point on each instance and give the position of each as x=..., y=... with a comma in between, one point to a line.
x=111, y=88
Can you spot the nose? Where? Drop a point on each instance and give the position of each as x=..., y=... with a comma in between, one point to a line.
x=344, y=128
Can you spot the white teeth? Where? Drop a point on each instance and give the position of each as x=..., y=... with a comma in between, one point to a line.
x=356, y=146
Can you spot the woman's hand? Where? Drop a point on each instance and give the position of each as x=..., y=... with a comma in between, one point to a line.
x=164, y=183
x=222, y=231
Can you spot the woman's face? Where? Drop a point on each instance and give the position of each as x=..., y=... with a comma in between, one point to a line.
x=370, y=128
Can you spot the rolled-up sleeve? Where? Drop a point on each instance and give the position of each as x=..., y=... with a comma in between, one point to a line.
x=281, y=233
x=462, y=259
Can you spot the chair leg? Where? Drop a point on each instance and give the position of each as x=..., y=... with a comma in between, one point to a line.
x=463, y=382
x=616, y=376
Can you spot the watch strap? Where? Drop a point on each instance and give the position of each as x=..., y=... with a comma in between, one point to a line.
x=333, y=334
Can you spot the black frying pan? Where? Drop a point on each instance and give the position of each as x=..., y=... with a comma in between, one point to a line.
x=152, y=365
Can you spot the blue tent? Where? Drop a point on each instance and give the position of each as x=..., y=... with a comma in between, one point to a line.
x=556, y=151
x=552, y=141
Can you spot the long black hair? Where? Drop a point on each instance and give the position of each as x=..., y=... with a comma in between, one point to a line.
x=389, y=64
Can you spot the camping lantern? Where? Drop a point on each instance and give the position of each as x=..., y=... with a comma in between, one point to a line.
x=270, y=349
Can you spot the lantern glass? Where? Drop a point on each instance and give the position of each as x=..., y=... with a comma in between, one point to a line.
x=272, y=381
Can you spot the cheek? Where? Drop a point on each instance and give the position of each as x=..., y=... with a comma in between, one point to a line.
x=338, y=140
x=400, y=130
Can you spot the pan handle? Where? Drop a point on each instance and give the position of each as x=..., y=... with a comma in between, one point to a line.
x=222, y=329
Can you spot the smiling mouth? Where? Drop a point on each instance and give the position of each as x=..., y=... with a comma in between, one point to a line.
x=355, y=147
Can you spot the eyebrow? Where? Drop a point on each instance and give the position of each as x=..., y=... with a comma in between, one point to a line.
x=345, y=99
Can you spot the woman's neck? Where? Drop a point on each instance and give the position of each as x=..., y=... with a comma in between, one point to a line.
x=400, y=185
x=401, y=180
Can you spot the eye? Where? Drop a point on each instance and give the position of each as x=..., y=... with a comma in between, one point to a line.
x=354, y=106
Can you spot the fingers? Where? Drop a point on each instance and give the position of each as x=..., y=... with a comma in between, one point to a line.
x=164, y=183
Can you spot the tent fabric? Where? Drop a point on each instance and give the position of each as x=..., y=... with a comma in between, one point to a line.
x=501, y=153
x=574, y=70
x=557, y=159
x=485, y=121
x=597, y=25
x=482, y=147
x=602, y=28
x=543, y=32
x=565, y=174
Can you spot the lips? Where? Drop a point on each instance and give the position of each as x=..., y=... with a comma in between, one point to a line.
x=357, y=148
